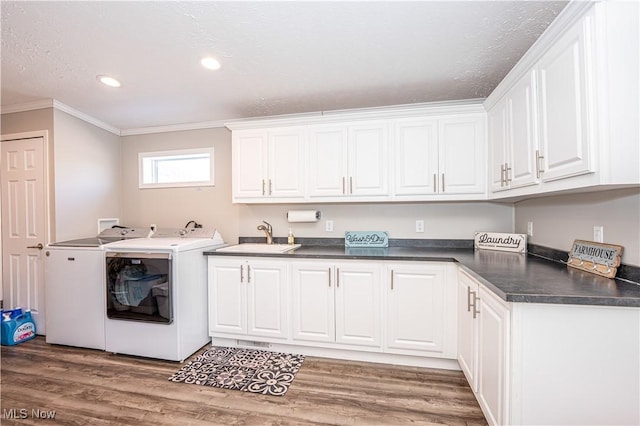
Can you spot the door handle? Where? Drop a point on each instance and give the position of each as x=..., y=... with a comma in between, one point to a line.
x=39, y=246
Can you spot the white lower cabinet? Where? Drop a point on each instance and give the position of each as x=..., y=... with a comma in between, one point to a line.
x=548, y=364
x=483, y=346
x=337, y=303
x=420, y=309
x=248, y=298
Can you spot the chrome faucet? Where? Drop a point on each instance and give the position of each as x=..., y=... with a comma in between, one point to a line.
x=267, y=230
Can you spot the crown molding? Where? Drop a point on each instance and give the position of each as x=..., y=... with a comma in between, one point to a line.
x=172, y=128
x=52, y=103
x=468, y=106
x=320, y=117
x=27, y=106
x=85, y=117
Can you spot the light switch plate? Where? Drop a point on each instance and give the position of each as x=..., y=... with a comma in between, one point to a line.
x=419, y=225
x=328, y=226
x=598, y=234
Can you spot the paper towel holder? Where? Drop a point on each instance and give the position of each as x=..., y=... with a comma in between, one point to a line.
x=303, y=215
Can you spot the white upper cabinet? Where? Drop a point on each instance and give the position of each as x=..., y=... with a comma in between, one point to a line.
x=443, y=156
x=436, y=152
x=566, y=104
x=328, y=161
x=268, y=165
x=416, y=157
x=461, y=154
x=565, y=118
x=348, y=161
x=514, y=153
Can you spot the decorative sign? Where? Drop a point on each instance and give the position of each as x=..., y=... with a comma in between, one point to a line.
x=366, y=239
x=597, y=258
x=499, y=241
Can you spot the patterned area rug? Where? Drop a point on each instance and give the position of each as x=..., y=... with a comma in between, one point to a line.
x=247, y=370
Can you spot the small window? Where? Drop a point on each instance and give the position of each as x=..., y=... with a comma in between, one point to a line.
x=168, y=169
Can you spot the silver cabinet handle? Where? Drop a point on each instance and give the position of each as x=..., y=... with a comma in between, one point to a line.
x=329, y=277
x=343, y=185
x=443, y=182
x=435, y=188
x=392, y=279
x=38, y=246
x=241, y=274
x=475, y=305
x=262, y=186
x=248, y=274
x=507, y=169
x=337, y=277
x=350, y=184
x=501, y=175
x=270, y=186
x=538, y=167
x=468, y=299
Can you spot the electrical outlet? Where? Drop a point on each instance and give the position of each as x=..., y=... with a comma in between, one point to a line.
x=598, y=234
x=419, y=225
x=328, y=226
x=530, y=229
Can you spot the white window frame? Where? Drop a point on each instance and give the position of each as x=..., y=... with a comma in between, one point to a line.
x=175, y=153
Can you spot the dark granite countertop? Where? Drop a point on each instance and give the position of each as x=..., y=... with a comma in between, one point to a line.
x=515, y=277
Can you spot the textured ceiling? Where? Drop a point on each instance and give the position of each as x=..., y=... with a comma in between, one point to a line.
x=277, y=57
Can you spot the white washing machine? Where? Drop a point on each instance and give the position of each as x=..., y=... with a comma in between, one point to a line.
x=74, y=289
x=156, y=294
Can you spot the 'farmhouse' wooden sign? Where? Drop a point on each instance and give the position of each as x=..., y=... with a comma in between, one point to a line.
x=597, y=258
x=500, y=241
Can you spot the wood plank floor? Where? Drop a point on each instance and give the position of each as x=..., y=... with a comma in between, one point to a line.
x=88, y=387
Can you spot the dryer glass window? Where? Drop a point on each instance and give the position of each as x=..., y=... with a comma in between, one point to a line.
x=139, y=287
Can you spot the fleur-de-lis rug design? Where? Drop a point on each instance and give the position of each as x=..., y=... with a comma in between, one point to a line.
x=247, y=370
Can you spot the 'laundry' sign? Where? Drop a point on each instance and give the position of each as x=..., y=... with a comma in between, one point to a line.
x=500, y=241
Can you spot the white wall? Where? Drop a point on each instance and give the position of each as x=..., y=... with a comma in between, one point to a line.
x=174, y=207
x=441, y=220
x=87, y=176
x=559, y=220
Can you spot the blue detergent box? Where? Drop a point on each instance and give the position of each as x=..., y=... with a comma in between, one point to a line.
x=17, y=327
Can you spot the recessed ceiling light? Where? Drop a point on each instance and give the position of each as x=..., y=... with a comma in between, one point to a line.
x=210, y=63
x=109, y=81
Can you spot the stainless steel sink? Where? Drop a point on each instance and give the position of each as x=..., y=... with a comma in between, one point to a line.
x=260, y=248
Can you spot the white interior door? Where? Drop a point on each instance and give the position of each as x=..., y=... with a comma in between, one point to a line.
x=24, y=225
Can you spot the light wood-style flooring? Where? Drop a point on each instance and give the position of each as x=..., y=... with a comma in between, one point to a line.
x=89, y=387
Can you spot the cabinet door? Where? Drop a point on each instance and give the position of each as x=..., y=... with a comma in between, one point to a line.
x=566, y=104
x=522, y=160
x=266, y=284
x=415, y=306
x=358, y=305
x=249, y=161
x=368, y=160
x=462, y=155
x=415, y=151
x=493, y=357
x=286, y=164
x=328, y=161
x=313, y=302
x=468, y=329
x=227, y=296
x=498, y=137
